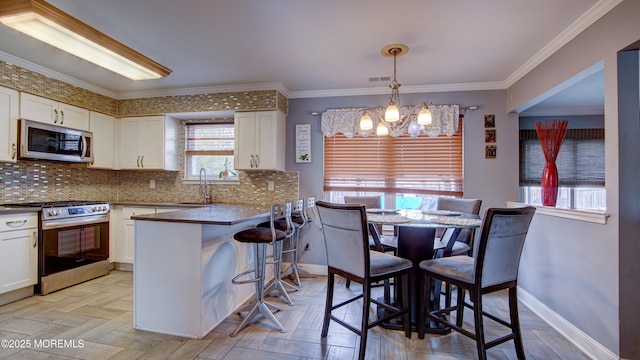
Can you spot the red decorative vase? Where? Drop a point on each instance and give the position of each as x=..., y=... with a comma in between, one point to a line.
x=549, y=184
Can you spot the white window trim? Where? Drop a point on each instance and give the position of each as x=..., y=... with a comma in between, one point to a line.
x=598, y=217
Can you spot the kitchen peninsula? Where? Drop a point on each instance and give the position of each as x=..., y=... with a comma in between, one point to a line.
x=183, y=265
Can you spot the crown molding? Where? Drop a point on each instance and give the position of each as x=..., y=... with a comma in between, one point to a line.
x=592, y=15
x=405, y=90
x=13, y=60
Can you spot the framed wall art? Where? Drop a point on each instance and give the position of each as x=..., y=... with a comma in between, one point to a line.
x=490, y=136
x=303, y=143
x=490, y=121
x=490, y=152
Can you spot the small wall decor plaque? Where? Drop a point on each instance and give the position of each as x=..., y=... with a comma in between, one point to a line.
x=490, y=152
x=303, y=143
x=490, y=121
x=490, y=136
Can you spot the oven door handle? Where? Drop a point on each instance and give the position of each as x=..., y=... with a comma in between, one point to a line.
x=56, y=224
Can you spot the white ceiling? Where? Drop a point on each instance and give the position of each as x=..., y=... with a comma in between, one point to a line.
x=314, y=48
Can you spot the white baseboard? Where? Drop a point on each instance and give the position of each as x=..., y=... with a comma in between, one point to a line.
x=589, y=346
x=314, y=269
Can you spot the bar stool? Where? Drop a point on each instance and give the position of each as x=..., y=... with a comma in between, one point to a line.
x=261, y=237
x=284, y=224
x=311, y=214
x=299, y=220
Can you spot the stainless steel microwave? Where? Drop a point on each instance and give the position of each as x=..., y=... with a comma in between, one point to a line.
x=38, y=140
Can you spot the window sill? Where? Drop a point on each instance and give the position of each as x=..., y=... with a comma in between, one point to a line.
x=598, y=217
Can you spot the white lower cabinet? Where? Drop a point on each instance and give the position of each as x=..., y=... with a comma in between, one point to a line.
x=123, y=230
x=18, y=251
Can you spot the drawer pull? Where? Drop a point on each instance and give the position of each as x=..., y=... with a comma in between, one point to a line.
x=16, y=223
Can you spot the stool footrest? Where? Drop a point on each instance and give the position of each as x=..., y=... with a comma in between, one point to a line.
x=235, y=280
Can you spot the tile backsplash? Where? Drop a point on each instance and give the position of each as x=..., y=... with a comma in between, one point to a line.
x=37, y=181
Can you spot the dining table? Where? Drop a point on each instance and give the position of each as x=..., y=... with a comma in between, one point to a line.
x=415, y=232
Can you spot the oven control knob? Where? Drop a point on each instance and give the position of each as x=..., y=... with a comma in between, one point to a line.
x=50, y=213
x=94, y=209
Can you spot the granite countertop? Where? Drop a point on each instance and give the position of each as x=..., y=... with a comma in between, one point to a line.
x=8, y=209
x=212, y=214
x=159, y=204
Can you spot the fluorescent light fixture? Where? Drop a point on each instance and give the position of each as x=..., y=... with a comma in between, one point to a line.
x=46, y=23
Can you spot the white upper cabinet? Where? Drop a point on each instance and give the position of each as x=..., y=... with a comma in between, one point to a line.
x=9, y=112
x=149, y=143
x=48, y=111
x=103, y=128
x=260, y=140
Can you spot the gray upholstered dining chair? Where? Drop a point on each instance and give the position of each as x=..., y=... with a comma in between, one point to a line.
x=388, y=243
x=345, y=230
x=493, y=267
x=384, y=243
x=464, y=241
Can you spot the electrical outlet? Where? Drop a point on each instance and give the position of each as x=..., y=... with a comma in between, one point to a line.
x=152, y=184
x=270, y=185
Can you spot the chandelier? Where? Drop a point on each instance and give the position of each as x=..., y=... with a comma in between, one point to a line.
x=393, y=121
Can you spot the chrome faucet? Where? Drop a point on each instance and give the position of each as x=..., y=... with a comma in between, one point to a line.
x=204, y=191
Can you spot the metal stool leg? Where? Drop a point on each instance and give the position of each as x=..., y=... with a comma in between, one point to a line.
x=260, y=306
x=278, y=284
x=293, y=271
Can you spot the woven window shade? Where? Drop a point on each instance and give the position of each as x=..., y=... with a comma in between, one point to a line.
x=209, y=139
x=421, y=165
x=580, y=161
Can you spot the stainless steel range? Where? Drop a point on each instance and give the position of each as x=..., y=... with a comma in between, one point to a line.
x=73, y=243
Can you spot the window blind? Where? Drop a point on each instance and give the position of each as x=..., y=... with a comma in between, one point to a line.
x=421, y=165
x=580, y=161
x=209, y=139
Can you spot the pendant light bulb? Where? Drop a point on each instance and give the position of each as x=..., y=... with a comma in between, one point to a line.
x=392, y=114
x=424, y=117
x=366, y=123
x=382, y=130
x=414, y=129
